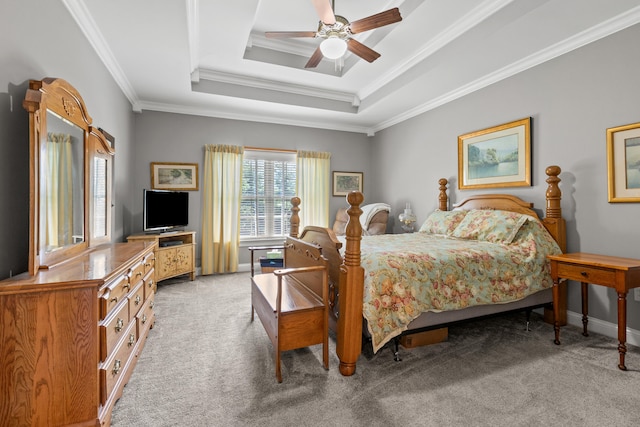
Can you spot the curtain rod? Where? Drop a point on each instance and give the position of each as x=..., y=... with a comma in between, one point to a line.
x=270, y=149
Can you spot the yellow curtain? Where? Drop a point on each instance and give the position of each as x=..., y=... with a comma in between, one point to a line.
x=58, y=183
x=313, y=183
x=222, y=191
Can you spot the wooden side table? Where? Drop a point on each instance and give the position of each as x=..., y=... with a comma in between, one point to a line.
x=618, y=273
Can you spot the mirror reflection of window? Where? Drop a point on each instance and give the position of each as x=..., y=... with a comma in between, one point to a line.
x=100, y=197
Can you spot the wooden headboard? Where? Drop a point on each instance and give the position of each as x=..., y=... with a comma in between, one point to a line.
x=553, y=220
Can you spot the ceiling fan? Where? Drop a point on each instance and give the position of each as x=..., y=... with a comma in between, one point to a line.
x=337, y=31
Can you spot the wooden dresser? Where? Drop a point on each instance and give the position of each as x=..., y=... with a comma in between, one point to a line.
x=70, y=336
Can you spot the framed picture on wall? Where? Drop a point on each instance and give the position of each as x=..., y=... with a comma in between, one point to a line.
x=346, y=182
x=174, y=176
x=499, y=156
x=623, y=163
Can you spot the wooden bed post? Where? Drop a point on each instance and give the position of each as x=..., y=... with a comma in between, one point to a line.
x=553, y=217
x=351, y=290
x=443, y=199
x=295, y=218
x=555, y=224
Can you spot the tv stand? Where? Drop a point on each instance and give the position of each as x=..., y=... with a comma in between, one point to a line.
x=175, y=253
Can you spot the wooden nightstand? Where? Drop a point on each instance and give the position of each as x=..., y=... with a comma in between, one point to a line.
x=618, y=273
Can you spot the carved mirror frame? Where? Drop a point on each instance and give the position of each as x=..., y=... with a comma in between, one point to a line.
x=48, y=98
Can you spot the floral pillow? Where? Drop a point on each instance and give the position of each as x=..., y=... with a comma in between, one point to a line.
x=490, y=226
x=442, y=222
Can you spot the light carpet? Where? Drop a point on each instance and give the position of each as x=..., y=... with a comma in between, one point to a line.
x=206, y=364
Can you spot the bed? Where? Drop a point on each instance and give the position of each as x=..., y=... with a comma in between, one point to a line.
x=496, y=246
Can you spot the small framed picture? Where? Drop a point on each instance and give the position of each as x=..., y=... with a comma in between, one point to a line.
x=174, y=176
x=346, y=182
x=499, y=156
x=623, y=163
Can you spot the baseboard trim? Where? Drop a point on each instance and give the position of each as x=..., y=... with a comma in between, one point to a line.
x=604, y=328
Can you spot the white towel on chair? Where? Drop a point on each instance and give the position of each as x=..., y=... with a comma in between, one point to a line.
x=368, y=212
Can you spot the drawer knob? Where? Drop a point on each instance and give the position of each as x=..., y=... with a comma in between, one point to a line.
x=150, y=283
x=151, y=304
x=139, y=274
x=584, y=274
x=132, y=340
x=144, y=319
x=137, y=301
x=119, y=324
x=114, y=299
x=116, y=367
x=127, y=286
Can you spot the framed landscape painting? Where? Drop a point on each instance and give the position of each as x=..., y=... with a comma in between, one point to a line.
x=346, y=182
x=174, y=176
x=623, y=163
x=499, y=156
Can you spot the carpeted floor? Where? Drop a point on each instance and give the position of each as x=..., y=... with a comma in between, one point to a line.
x=206, y=364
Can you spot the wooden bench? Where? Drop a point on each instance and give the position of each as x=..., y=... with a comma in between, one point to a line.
x=292, y=303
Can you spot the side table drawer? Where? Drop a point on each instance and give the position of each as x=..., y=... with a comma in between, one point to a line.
x=587, y=274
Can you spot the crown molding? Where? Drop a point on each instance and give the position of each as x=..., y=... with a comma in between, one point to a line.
x=89, y=28
x=597, y=32
x=471, y=19
x=278, y=85
x=260, y=118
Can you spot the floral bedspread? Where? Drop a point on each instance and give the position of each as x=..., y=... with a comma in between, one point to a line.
x=407, y=274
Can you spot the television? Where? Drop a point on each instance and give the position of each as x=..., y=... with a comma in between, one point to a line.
x=165, y=210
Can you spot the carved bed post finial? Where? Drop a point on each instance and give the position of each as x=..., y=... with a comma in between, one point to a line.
x=353, y=231
x=443, y=200
x=554, y=195
x=295, y=218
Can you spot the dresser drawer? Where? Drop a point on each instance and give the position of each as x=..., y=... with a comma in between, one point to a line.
x=149, y=284
x=149, y=262
x=113, y=328
x=116, y=291
x=136, y=299
x=587, y=274
x=116, y=364
x=137, y=273
x=146, y=317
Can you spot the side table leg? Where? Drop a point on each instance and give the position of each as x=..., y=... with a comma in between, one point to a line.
x=556, y=310
x=622, y=328
x=585, y=308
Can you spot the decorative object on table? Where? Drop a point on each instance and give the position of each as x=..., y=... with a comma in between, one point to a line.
x=623, y=163
x=346, y=182
x=407, y=219
x=174, y=176
x=496, y=157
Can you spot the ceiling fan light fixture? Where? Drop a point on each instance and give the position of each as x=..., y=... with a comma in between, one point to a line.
x=333, y=47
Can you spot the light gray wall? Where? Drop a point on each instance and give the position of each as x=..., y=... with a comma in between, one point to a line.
x=167, y=137
x=33, y=47
x=572, y=100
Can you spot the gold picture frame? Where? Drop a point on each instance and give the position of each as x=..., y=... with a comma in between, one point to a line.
x=623, y=163
x=346, y=182
x=174, y=176
x=499, y=156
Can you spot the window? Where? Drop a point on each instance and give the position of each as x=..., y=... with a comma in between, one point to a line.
x=268, y=184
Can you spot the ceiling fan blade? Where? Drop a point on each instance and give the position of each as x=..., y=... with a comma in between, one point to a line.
x=315, y=59
x=362, y=51
x=374, y=21
x=288, y=34
x=324, y=11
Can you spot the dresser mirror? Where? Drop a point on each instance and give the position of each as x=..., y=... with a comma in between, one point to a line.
x=68, y=205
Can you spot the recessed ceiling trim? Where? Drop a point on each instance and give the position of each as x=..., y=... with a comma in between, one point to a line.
x=282, y=45
x=276, y=85
x=590, y=35
x=89, y=28
x=261, y=118
x=461, y=26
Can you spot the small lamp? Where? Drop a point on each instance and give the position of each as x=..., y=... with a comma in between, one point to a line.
x=407, y=218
